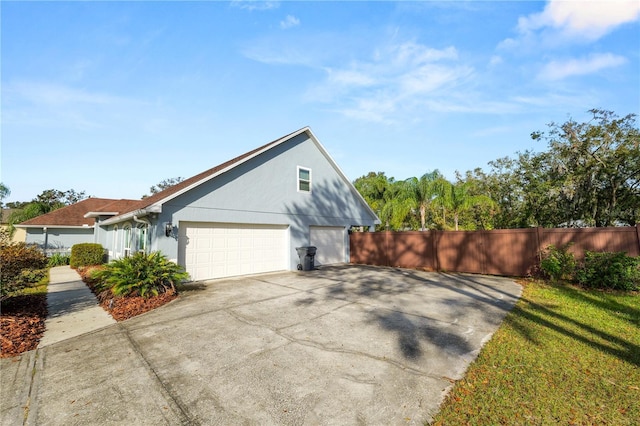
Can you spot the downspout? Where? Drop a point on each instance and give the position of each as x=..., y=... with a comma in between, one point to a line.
x=145, y=221
x=46, y=238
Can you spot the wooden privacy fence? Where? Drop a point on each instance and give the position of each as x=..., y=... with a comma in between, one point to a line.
x=510, y=252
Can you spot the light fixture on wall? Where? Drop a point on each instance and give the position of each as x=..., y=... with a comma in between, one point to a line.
x=168, y=229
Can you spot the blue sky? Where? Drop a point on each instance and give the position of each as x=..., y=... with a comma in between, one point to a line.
x=111, y=98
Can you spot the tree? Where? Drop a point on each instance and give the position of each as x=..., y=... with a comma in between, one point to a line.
x=54, y=199
x=382, y=195
x=458, y=198
x=4, y=192
x=164, y=184
x=45, y=202
x=588, y=176
x=591, y=172
x=418, y=194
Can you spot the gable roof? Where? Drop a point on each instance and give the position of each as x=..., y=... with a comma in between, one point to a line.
x=76, y=215
x=153, y=203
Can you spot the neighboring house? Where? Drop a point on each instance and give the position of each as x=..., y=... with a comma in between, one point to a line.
x=62, y=228
x=18, y=234
x=245, y=216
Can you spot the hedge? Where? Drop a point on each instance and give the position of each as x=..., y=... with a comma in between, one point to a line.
x=86, y=254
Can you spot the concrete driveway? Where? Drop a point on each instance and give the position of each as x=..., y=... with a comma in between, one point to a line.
x=339, y=345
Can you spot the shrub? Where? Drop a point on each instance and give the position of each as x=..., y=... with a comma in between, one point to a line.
x=16, y=258
x=86, y=254
x=140, y=275
x=29, y=277
x=615, y=271
x=58, y=259
x=559, y=263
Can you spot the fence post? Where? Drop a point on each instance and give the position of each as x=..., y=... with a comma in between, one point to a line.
x=538, y=247
x=387, y=257
x=436, y=259
x=638, y=235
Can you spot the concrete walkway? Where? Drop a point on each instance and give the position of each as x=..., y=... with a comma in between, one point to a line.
x=73, y=308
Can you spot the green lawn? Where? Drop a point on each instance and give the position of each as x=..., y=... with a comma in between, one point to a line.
x=562, y=356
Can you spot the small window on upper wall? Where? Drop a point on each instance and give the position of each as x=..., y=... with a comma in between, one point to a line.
x=304, y=179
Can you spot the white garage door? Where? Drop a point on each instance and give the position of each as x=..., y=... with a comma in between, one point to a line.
x=217, y=250
x=330, y=243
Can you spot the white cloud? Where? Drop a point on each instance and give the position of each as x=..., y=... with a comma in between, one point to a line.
x=557, y=70
x=252, y=5
x=396, y=79
x=583, y=19
x=41, y=104
x=52, y=94
x=495, y=60
x=289, y=22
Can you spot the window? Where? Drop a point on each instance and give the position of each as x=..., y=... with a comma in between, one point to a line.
x=142, y=238
x=126, y=240
x=304, y=179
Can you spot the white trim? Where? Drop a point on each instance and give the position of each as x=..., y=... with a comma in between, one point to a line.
x=55, y=226
x=126, y=244
x=97, y=214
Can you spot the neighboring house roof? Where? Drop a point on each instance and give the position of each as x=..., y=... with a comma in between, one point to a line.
x=153, y=203
x=78, y=214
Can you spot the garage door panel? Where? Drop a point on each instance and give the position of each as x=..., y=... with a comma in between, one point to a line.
x=330, y=242
x=216, y=250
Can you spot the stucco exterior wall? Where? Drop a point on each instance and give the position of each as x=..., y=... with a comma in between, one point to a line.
x=58, y=238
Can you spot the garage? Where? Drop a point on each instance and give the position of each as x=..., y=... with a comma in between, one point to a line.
x=218, y=250
x=330, y=241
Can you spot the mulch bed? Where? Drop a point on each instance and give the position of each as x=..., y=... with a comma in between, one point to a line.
x=22, y=323
x=122, y=308
x=22, y=318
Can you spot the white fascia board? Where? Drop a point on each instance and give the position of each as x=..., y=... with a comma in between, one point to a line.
x=54, y=226
x=231, y=167
x=129, y=216
x=97, y=214
x=315, y=140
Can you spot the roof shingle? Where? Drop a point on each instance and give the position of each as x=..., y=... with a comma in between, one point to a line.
x=73, y=215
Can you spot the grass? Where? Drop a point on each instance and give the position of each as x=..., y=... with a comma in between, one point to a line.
x=563, y=355
x=38, y=288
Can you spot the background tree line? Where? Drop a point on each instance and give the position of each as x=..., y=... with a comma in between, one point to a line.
x=589, y=175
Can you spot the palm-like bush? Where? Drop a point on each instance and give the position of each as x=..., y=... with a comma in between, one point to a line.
x=140, y=275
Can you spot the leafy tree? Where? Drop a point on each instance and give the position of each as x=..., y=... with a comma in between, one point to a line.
x=162, y=185
x=591, y=170
x=45, y=202
x=458, y=198
x=588, y=176
x=418, y=194
x=382, y=193
x=4, y=192
x=55, y=199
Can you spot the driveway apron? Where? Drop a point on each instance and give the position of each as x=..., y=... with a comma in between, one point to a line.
x=340, y=345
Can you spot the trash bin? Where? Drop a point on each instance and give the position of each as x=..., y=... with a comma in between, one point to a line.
x=307, y=258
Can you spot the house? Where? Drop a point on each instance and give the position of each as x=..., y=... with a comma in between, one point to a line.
x=18, y=234
x=245, y=216
x=62, y=228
